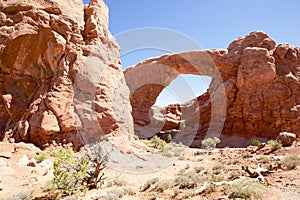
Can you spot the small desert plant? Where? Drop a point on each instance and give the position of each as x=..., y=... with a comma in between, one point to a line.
x=148, y=184
x=246, y=155
x=157, y=142
x=198, y=169
x=233, y=162
x=210, y=143
x=246, y=190
x=217, y=178
x=116, y=180
x=275, y=145
x=255, y=142
x=291, y=162
x=118, y=193
x=182, y=125
x=169, y=137
x=217, y=168
x=263, y=159
x=160, y=186
x=187, y=180
x=70, y=172
x=78, y=173
x=41, y=156
x=234, y=174
x=24, y=195
x=166, y=151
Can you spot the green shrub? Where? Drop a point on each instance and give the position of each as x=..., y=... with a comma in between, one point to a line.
x=210, y=143
x=217, y=178
x=246, y=190
x=234, y=174
x=165, y=152
x=263, y=159
x=187, y=180
x=70, y=172
x=160, y=186
x=182, y=125
x=41, y=156
x=217, y=168
x=275, y=145
x=169, y=138
x=157, y=142
x=74, y=173
x=255, y=142
x=291, y=162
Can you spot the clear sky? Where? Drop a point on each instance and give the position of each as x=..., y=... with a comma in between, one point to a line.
x=211, y=23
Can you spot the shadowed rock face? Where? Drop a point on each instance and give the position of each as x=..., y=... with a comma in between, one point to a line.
x=254, y=93
x=60, y=73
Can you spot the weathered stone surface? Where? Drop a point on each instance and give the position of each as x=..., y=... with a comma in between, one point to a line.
x=254, y=93
x=5, y=170
x=5, y=154
x=60, y=75
x=286, y=139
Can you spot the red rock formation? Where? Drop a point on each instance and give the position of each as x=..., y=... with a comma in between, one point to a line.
x=60, y=73
x=254, y=93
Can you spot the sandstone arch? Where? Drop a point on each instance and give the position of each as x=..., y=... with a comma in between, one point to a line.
x=149, y=78
x=261, y=82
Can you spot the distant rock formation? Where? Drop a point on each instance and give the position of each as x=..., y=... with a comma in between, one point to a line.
x=254, y=93
x=60, y=75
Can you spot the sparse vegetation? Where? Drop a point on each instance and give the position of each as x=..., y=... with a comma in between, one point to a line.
x=166, y=152
x=160, y=186
x=291, y=162
x=263, y=159
x=70, y=172
x=210, y=143
x=148, y=184
x=245, y=190
x=118, y=193
x=74, y=174
x=187, y=180
x=217, y=168
x=157, y=142
x=24, y=195
x=198, y=169
x=169, y=138
x=217, y=178
x=41, y=156
x=255, y=142
x=246, y=155
x=182, y=125
x=275, y=145
x=234, y=174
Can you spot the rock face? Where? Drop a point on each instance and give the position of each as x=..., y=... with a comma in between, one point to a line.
x=60, y=73
x=254, y=93
x=286, y=139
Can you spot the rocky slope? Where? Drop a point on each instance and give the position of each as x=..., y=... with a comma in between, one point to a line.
x=60, y=75
x=254, y=93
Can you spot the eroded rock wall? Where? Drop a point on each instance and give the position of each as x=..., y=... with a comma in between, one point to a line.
x=60, y=75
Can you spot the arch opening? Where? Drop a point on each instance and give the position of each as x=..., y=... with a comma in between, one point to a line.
x=184, y=88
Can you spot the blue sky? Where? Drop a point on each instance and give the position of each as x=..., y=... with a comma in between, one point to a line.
x=212, y=24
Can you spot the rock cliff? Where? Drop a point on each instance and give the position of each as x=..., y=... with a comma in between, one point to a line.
x=61, y=79
x=254, y=93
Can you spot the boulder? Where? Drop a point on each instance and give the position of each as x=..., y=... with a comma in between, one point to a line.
x=286, y=139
